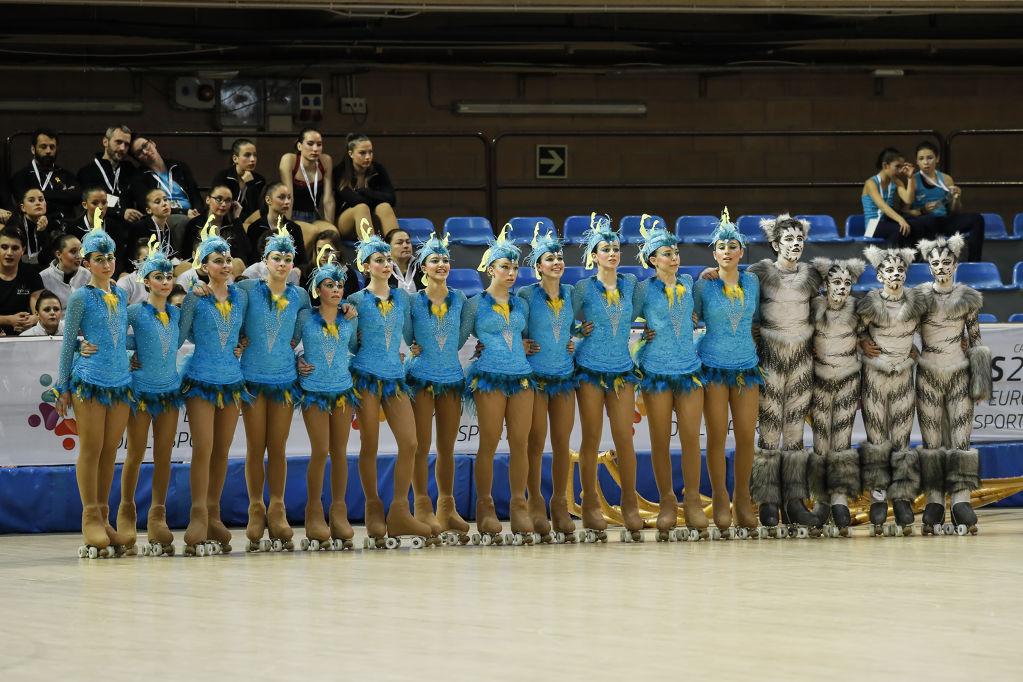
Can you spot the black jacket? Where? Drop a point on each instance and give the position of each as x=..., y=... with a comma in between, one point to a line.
x=145, y=180
x=63, y=196
x=253, y=199
x=378, y=190
x=115, y=182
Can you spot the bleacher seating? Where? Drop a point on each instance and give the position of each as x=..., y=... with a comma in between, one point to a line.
x=855, y=228
x=466, y=280
x=918, y=273
x=982, y=276
x=574, y=273
x=573, y=229
x=1016, y=317
x=695, y=229
x=526, y=277
x=749, y=226
x=471, y=231
x=822, y=228
x=868, y=280
x=630, y=224
x=987, y=318
x=522, y=229
x=639, y=271
x=1017, y=275
x=1017, y=225
x=419, y=229
x=691, y=270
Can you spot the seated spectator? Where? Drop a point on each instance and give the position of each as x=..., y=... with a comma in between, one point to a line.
x=259, y=270
x=20, y=285
x=886, y=199
x=50, y=311
x=173, y=177
x=935, y=193
x=332, y=241
x=65, y=273
x=113, y=173
x=220, y=205
x=177, y=295
x=37, y=229
x=406, y=273
x=93, y=199
x=59, y=185
x=365, y=191
x=135, y=289
x=246, y=184
x=157, y=222
x=309, y=176
x=277, y=201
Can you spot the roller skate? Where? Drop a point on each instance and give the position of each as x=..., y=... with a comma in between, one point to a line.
x=197, y=532
x=341, y=532
x=487, y=524
x=541, y=526
x=769, y=527
x=933, y=519
x=280, y=532
x=521, y=523
x=722, y=511
x=745, y=520
x=564, y=526
x=633, y=531
x=376, y=526
x=840, y=521
x=119, y=542
x=160, y=540
x=217, y=533
x=594, y=523
x=423, y=513
x=878, y=514
x=819, y=517
x=696, y=521
x=402, y=525
x=667, y=518
x=455, y=531
x=94, y=533
x=317, y=535
x=126, y=526
x=903, y=525
x=964, y=519
x=254, y=529
x=799, y=520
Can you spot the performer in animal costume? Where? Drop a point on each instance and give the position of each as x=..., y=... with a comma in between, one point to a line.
x=786, y=335
x=889, y=317
x=948, y=381
x=834, y=471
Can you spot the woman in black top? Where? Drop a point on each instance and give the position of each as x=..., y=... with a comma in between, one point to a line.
x=37, y=229
x=277, y=202
x=245, y=183
x=365, y=191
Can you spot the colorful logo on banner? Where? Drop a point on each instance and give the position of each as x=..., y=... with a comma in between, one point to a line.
x=48, y=417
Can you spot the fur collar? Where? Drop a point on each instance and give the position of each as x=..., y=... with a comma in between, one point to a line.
x=871, y=308
x=846, y=314
x=807, y=279
x=961, y=301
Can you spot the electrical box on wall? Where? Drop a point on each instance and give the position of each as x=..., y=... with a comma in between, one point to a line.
x=194, y=93
x=310, y=100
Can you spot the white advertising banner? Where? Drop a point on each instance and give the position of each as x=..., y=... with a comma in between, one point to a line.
x=31, y=432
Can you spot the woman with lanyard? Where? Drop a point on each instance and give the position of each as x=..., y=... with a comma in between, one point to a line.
x=607, y=377
x=214, y=389
x=99, y=387
x=38, y=230
x=436, y=381
x=241, y=178
x=277, y=203
x=499, y=385
x=221, y=213
x=328, y=397
x=894, y=180
x=384, y=319
x=731, y=374
x=309, y=175
x=936, y=194
x=671, y=380
x=549, y=348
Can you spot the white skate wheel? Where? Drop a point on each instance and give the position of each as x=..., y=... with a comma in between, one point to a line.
x=305, y=544
x=476, y=539
x=486, y=539
x=417, y=542
x=715, y=533
x=366, y=543
x=802, y=533
x=948, y=529
x=559, y=537
x=83, y=552
x=743, y=533
x=961, y=529
x=392, y=543
x=200, y=549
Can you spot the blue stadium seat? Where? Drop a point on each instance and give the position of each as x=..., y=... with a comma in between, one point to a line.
x=639, y=271
x=522, y=229
x=419, y=229
x=1017, y=275
x=983, y=276
x=630, y=224
x=822, y=228
x=1017, y=225
x=749, y=225
x=868, y=280
x=358, y=276
x=466, y=280
x=691, y=270
x=918, y=273
x=574, y=227
x=1016, y=317
x=526, y=277
x=987, y=318
x=471, y=231
x=574, y=273
x=695, y=229
x=855, y=226
x=994, y=228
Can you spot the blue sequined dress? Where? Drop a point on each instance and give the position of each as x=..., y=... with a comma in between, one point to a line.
x=550, y=325
x=438, y=331
x=104, y=376
x=727, y=350
x=376, y=367
x=157, y=382
x=213, y=373
x=670, y=361
x=327, y=348
x=502, y=366
x=603, y=358
x=268, y=362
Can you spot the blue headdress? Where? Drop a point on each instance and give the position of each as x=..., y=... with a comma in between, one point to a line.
x=281, y=241
x=431, y=246
x=330, y=270
x=210, y=243
x=97, y=240
x=600, y=231
x=548, y=243
x=653, y=239
x=500, y=247
x=727, y=231
x=156, y=261
x=371, y=243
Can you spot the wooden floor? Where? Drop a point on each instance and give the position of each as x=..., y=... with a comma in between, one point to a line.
x=861, y=608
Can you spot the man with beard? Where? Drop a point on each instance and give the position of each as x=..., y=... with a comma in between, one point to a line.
x=58, y=185
x=108, y=170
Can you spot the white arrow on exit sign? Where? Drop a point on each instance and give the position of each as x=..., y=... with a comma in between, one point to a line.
x=551, y=161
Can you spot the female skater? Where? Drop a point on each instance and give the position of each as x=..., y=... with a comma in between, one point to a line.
x=436, y=382
x=384, y=318
x=732, y=375
x=607, y=376
x=214, y=390
x=671, y=380
x=99, y=389
x=549, y=349
x=500, y=387
x=328, y=396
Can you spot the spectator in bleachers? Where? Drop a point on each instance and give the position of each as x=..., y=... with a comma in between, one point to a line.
x=59, y=185
x=365, y=191
x=177, y=295
x=220, y=205
x=326, y=246
x=406, y=274
x=887, y=198
x=20, y=285
x=135, y=289
x=50, y=312
x=157, y=222
x=935, y=193
x=93, y=199
x=246, y=184
x=113, y=173
x=173, y=177
x=65, y=274
x=37, y=229
x=277, y=202
x=309, y=175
